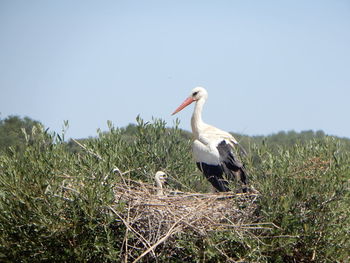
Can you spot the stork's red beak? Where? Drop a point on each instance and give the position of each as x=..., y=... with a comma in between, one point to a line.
x=187, y=102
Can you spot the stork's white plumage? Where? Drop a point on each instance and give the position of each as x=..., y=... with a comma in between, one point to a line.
x=213, y=149
x=160, y=178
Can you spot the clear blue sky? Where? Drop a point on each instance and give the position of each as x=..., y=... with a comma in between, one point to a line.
x=267, y=65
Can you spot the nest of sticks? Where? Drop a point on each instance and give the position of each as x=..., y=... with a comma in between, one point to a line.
x=153, y=219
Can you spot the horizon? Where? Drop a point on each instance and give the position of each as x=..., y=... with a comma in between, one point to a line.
x=183, y=129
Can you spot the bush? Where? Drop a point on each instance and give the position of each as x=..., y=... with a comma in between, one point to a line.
x=305, y=192
x=54, y=202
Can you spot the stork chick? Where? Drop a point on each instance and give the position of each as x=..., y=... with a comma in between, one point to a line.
x=160, y=179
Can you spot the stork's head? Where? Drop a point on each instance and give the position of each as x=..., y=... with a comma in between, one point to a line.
x=160, y=178
x=197, y=93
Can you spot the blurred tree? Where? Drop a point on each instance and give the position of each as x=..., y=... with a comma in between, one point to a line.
x=11, y=132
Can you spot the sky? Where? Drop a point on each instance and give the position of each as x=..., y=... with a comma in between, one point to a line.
x=268, y=66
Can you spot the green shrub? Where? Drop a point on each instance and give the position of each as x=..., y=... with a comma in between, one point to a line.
x=54, y=201
x=305, y=191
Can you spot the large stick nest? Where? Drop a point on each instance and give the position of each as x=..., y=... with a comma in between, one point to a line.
x=152, y=219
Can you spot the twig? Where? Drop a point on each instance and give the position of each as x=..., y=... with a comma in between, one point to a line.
x=165, y=237
x=171, y=231
x=280, y=236
x=130, y=227
x=223, y=253
x=70, y=189
x=87, y=150
x=126, y=237
x=64, y=198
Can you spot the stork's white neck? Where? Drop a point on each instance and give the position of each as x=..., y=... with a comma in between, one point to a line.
x=196, y=120
x=159, y=187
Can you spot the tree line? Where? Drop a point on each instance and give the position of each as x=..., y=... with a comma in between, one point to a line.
x=14, y=128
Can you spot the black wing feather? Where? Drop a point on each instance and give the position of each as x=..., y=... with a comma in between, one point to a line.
x=232, y=166
x=214, y=175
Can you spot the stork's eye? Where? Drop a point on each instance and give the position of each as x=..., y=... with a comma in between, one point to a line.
x=194, y=93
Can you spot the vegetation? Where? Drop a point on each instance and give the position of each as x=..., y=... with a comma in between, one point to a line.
x=54, y=197
x=11, y=132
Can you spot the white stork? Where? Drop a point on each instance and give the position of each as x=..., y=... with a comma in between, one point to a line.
x=213, y=148
x=160, y=178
